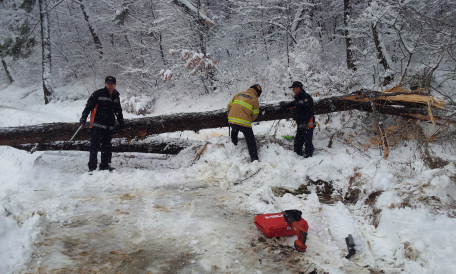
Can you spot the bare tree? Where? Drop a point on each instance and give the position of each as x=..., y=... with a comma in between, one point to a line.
x=348, y=40
x=46, y=51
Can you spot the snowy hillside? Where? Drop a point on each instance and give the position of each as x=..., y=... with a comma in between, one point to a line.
x=174, y=214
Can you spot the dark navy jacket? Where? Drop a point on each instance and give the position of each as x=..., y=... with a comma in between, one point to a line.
x=104, y=109
x=303, y=108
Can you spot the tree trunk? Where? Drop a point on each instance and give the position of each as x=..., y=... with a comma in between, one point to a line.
x=171, y=147
x=96, y=39
x=348, y=40
x=381, y=56
x=7, y=72
x=46, y=51
x=195, y=121
x=162, y=51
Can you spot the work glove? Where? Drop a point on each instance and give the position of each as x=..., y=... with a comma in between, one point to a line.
x=82, y=122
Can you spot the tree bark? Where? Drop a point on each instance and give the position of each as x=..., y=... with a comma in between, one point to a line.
x=195, y=121
x=46, y=51
x=7, y=72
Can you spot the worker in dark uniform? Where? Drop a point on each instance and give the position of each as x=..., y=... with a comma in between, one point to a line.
x=243, y=110
x=304, y=117
x=104, y=106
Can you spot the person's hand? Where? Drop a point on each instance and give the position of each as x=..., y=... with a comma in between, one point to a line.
x=82, y=122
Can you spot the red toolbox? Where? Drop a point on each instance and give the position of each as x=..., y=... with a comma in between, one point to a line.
x=275, y=225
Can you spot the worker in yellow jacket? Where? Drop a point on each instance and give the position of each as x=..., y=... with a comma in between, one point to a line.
x=243, y=110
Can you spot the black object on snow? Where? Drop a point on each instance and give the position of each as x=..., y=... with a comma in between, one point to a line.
x=292, y=215
x=350, y=246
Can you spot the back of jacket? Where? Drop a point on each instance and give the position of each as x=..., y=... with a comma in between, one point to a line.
x=244, y=108
x=104, y=109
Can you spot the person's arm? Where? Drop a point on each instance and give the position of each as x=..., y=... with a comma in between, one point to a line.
x=256, y=109
x=91, y=103
x=288, y=105
x=230, y=104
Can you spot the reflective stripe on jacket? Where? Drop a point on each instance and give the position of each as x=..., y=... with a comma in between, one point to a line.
x=244, y=108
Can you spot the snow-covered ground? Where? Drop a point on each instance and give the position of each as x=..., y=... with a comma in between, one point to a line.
x=171, y=214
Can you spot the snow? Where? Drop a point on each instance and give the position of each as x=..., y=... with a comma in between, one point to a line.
x=431, y=238
x=160, y=214
x=383, y=180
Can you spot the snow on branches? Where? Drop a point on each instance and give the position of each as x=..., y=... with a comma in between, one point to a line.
x=195, y=62
x=165, y=74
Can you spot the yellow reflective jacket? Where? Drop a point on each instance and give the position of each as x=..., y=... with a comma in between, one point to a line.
x=244, y=108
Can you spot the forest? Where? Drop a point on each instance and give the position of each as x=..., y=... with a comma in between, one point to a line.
x=184, y=48
x=205, y=47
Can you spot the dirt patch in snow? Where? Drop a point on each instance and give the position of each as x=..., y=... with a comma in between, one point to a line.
x=325, y=191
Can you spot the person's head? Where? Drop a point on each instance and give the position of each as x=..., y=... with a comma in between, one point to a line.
x=258, y=89
x=297, y=87
x=110, y=83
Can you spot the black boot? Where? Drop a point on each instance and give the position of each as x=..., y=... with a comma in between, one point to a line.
x=107, y=168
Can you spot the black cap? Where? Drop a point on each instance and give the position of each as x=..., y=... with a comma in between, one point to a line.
x=257, y=88
x=110, y=80
x=296, y=84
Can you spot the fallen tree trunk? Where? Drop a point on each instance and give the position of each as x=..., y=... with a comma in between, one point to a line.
x=172, y=147
x=195, y=121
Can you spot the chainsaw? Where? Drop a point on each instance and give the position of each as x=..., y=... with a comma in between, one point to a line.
x=286, y=223
x=293, y=218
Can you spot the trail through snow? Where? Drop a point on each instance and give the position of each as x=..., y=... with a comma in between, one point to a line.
x=129, y=222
